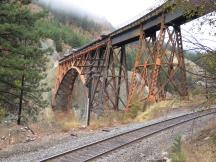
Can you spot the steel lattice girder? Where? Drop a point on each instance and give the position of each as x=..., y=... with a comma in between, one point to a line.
x=97, y=69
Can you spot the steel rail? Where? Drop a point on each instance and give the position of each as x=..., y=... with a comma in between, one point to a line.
x=150, y=134
x=212, y=111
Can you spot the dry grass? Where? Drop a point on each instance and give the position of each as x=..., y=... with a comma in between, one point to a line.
x=135, y=114
x=50, y=121
x=68, y=125
x=164, y=107
x=67, y=121
x=46, y=121
x=203, y=147
x=156, y=110
x=109, y=119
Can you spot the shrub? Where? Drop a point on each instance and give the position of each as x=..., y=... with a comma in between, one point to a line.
x=135, y=107
x=61, y=33
x=176, y=154
x=2, y=113
x=68, y=125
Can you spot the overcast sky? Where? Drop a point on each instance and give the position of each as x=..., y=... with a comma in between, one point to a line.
x=115, y=11
x=120, y=12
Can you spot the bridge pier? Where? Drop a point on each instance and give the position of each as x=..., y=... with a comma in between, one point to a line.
x=183, y=78
x=104, y=71
x=161, y=68
x=158, y=68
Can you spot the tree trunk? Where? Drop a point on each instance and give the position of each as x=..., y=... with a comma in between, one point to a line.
x=20, y=101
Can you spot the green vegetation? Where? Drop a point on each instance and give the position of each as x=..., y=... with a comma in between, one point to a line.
x=83, y=22
x=195, y=57
x=73, y=17
x=176, y=153
x=207, y=61
x=2, y=113
x=22, y=61
x=60, y=33
x=131, y=56
x=209, y=64
x=135, y=107
x=190, y=10
x=205, y=56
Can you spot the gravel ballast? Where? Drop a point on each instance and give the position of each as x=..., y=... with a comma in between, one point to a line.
x=156, y=147
x=151, y=148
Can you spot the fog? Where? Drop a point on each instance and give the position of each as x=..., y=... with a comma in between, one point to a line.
x=71, y=7
x=121, y=12
x=117, y=12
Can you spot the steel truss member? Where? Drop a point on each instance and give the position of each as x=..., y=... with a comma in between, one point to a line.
x=159, y=65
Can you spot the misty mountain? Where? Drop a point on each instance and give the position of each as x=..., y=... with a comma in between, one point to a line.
x=68, y=14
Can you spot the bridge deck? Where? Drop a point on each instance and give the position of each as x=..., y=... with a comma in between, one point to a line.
x=150, y=24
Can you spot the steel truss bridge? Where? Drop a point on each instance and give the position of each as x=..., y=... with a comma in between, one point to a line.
x=102, y=65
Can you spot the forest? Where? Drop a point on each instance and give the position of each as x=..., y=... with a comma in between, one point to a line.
x=23, y=60
x=35, y=35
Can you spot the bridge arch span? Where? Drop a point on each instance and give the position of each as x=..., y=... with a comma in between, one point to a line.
x=71, y=82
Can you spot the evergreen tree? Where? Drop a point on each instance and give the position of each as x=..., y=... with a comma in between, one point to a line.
x=22, y=61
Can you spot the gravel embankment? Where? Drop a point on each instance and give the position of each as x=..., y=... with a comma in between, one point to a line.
x=146, y=149
x=155, y=148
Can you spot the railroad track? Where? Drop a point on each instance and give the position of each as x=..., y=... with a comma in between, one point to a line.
x=99, y=148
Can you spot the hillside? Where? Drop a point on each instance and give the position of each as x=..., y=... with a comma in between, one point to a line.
x=75, y=17
x=34, y=36
x=49, y=38
x=63, y=32
x=69, y=30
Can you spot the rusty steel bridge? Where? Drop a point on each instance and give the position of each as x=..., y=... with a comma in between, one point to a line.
x=102, y=65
